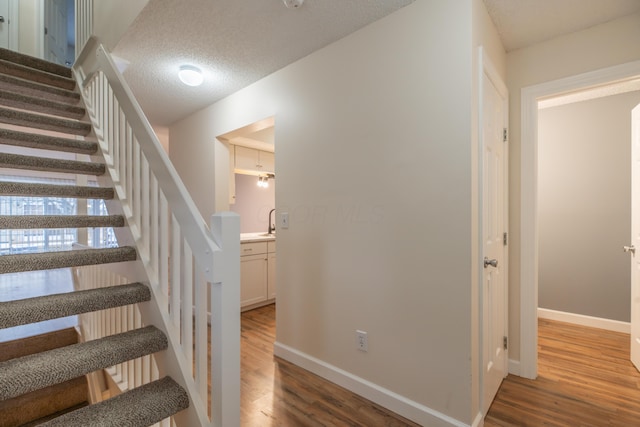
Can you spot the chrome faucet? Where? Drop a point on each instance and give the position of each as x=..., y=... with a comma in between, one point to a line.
x=272, y=227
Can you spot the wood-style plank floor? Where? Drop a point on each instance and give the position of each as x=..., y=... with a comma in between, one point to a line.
x=585, y=378
x=277, y=393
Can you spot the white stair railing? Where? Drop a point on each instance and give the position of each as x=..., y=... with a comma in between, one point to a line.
x=186, y=262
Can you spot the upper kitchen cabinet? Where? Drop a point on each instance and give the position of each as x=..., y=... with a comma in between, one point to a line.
x=253, y=162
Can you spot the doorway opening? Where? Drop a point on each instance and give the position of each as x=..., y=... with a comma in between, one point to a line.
x=252, y=195
x=529, y=205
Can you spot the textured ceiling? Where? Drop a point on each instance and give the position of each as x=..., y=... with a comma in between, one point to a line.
x=238, y=42
x=522, y=23
x=235, y=43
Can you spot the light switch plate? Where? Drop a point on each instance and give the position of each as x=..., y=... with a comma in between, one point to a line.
x=284, y=220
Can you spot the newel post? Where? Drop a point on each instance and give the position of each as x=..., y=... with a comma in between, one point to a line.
x=225, y=321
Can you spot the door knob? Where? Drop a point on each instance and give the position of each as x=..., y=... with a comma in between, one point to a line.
x=1, y=18
x=490, y=262
x=631, y=249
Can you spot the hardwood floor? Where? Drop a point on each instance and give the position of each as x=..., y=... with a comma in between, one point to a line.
x=277, y=393
x=585, y=378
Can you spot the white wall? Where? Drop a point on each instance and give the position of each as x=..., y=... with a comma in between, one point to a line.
x=391, y=256
x=112, y=18
x=253, y=203
x=592, y=49
x=584, y=176
x=29, y=27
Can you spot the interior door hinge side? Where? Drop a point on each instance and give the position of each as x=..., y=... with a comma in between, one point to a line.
x=504, y=134
x=505, y=238
x=505, y=342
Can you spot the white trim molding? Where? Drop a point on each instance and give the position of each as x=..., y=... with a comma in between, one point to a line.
x=514, y=367
x=529, y=197
x=407, y=408
x=581, y=319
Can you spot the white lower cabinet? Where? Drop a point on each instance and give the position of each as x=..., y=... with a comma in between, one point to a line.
x=257, y=274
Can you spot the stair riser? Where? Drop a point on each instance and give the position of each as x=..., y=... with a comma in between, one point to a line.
x=44, y=142
x=35, y=63
x=24, y=102
x=27, y=73
x=41, y=403
x=38, y=121
x=26, y=87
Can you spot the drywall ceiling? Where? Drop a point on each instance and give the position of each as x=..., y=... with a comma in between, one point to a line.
x=238, y=42
x=235, y=43
x=522, y=23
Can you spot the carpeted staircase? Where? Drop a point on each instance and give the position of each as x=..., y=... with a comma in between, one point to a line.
x=40, y=96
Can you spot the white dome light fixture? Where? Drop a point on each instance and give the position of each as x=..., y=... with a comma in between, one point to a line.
x=293, y=4
x=190, y=75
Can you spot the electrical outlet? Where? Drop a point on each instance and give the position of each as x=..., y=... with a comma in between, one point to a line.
x=362, y=342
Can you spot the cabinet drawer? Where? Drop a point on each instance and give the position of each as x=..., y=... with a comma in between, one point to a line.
x=253, y=248
x=271, y=246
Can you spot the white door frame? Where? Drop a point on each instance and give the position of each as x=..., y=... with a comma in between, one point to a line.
x=14, y=27
x=529, y=198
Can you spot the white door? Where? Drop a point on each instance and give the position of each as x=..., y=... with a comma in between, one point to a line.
x=4, y=24
x=635, y=237
x=494, y=226
x=55, y=31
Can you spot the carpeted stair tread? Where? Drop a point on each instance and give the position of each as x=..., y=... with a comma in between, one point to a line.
x=38, y=76
x=37, y=163
x=36, y=371
x=25, y=222
x=26, y=87
x=44, y=122
x=40, y=105
x=141, y=407
x=31, y=310
x=33, y=62
x=45, y=142
x=63, y=259
x=54, y=190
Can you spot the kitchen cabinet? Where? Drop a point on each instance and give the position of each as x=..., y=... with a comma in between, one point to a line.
x=252, y=161
x=257, y=274
x=271, y=270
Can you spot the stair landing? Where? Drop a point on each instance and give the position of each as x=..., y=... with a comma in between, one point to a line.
x=14, y=286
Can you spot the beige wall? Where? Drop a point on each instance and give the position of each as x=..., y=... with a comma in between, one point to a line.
x=112, y=19
x=29, y=27
x=375, y=170
x=584, y=187
x=598, y=47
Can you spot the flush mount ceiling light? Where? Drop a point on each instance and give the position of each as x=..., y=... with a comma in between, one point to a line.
x=293, y=3
x=190, y=75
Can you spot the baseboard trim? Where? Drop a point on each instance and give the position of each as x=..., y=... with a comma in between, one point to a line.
x=514, y=367
x=580, y=319
x=479, y=421
x=407, y=408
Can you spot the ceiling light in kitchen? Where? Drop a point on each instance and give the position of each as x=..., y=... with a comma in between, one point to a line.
x=263, y=181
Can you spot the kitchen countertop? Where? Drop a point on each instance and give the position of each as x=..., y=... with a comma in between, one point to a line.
x=257, y=237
